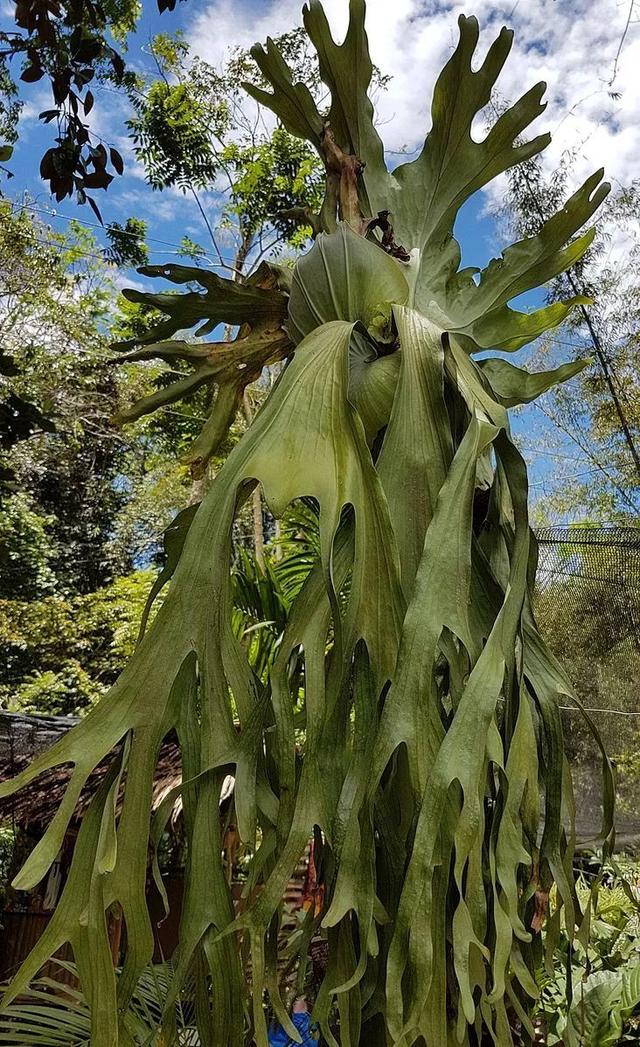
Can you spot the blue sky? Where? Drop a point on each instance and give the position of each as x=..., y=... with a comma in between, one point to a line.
x=573, y=44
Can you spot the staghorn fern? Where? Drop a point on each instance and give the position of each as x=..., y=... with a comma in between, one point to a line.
x=431, y=721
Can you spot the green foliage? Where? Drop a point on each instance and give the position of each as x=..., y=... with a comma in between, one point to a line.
x=25, y=551
x=61, y=654
x=189, y=130
x=53, y=1014
x=192, y=250
x=81, y=502
x=10, y=108
x=263, y=597
x=605, y=970
x=133, y=320
x=73, y=472
x=54, y=303
x=68, y=692
x=171, y=136
x=7, y=844
x=127, y=243
x=270, y=180
x=405, y=709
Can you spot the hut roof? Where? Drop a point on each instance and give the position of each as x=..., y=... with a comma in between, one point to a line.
x=24, y=737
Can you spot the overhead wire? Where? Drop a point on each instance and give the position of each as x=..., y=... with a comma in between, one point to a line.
x=177, y=248
x=588, y=709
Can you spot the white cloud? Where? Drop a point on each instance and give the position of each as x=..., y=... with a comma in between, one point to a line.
x=124, y=281
x=571, y=45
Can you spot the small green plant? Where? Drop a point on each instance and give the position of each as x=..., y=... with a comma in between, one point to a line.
x=7, y=841
x=603, y=961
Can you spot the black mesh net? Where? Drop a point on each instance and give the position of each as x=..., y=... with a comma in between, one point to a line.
x=588, y=608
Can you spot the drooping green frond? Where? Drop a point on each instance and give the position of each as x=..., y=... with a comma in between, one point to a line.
x=257, y=306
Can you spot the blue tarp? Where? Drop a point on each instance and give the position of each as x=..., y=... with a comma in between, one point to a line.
x=279, y=1038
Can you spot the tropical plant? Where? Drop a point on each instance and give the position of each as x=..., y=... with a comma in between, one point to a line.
x=55, y=1014
x=429, y=706
x=264, y=592
x=604, y=964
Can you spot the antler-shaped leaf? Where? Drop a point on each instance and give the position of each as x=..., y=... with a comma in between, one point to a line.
x=347, y=69
x=423, y=197
x=292, y=102
x=478, y=307
x=223, y=302
x=452, y=165
x=257, y=306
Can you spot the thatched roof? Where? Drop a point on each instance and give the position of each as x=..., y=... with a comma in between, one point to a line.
x=23, y=737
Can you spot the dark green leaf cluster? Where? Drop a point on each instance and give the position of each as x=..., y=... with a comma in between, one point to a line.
x=69, y=45
x=127, y=247
x=72, y=45
x=71, y=471
x=63, y=653
x=10, y=106
x=172, y=132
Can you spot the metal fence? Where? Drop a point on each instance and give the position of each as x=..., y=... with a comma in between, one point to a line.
x=588, y=607
x=599, y=566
